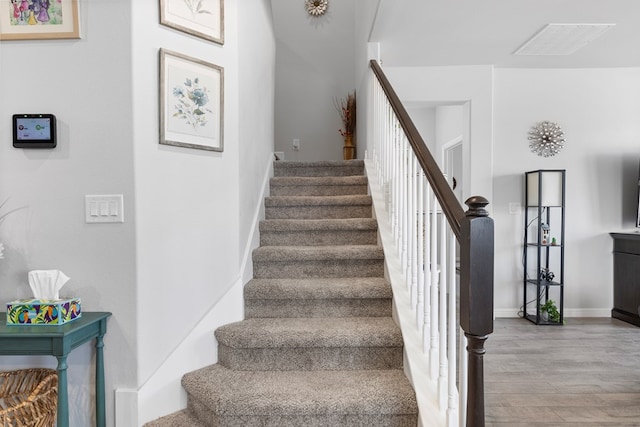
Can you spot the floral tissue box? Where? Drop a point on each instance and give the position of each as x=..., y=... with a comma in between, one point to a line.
x=43, y=312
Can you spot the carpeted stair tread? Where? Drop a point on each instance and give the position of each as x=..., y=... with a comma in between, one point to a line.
x=318, y=185
x=299, y=393
x=318, y=168
x=322, y=288
x=318, y=232
x=303, y=181
x=317, y=332
x=338, y=224
x=322, y=297
x=317, y=253
x=297, y=201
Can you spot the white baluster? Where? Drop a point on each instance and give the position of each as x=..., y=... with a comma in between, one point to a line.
x=435, y=285
x=428, y=279
x=420, y=253
x=413, y=231
x=442, y=318
x=452, y=405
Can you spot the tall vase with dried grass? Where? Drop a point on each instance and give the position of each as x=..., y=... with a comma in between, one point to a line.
x=347, y=108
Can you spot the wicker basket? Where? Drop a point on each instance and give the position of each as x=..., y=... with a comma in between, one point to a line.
x=28, y=397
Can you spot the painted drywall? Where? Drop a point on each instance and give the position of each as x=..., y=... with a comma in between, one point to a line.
x=314, y=65
x=187, y=207
x=424, y=118
x=87, y=84
x=468, y=85
x=200, y=208
x=256, y=51
x=598, y=110
x=365, y=50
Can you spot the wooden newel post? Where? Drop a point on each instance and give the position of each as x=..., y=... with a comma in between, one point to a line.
x=476, y=298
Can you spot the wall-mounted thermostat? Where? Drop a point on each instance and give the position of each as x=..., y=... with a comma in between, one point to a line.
x=34, y=130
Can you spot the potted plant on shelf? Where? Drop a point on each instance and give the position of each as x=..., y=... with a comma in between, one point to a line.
x=347, y=109
x=549, y=312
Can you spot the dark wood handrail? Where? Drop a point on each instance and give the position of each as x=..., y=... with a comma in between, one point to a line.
x=448, y=201
x=475, y=233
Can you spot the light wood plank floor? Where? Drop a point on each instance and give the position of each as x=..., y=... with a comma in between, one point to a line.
x=584, y=373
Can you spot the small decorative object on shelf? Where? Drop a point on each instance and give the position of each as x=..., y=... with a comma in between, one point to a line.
x=347, y=109
x=549, y=312
x=316, y=7
x=546, y=139
x=543, y=256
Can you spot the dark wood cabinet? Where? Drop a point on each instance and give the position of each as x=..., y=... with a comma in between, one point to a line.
x=626, y=277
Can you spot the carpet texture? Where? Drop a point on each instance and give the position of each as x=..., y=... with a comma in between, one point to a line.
x=318, y=347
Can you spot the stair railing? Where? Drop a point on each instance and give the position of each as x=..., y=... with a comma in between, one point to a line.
x=428, y=223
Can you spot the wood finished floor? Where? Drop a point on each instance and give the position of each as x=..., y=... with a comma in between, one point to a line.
x=584, y=373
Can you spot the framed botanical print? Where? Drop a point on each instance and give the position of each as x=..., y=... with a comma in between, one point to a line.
x=200, y=18
x=39, y=19
x=191, y=102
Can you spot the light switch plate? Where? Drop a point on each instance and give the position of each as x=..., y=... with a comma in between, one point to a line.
x=102, y=208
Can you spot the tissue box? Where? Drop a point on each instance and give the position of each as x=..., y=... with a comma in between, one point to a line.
x=43, y=312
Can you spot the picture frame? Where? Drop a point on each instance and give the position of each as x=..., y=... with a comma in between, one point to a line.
x=191, y=102
x=200, y=18
x=39, y=19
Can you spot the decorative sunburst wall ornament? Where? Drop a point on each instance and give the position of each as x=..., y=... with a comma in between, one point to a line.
x=546, y=139
x=316, y=7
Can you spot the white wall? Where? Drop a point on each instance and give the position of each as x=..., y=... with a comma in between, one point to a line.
x=315, y=64
x=187, y=207
x=598, y=110
x=468, y=85
x=87, y=84
x=256, y=51
x=189, y=214
x=197, y=209
x=424, y=118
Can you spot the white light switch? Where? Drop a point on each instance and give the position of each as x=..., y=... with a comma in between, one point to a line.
x=104, y=208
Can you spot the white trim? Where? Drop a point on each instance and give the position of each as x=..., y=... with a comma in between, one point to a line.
x=568, y=312
x=449, y=145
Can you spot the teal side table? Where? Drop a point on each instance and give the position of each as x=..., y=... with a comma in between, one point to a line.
x=59, y=341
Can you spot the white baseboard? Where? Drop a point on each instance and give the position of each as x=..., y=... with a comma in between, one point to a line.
x=568, y=312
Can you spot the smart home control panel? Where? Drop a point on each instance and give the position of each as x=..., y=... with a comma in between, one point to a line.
x=34, y=130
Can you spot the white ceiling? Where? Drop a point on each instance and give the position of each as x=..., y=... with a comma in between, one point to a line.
x=478, y=32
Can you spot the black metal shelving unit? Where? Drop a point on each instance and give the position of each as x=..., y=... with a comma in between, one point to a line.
x=544, y=244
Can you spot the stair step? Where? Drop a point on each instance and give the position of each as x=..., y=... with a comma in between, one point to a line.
x=310, y=344
x=338, y=297
x=318, y=346
x=280, y=262
x=320, y=168
x=318, y=186
x=223, y=397
x=318, y=207
x=318, y=232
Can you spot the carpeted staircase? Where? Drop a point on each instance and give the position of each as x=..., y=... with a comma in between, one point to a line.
x=318, y=346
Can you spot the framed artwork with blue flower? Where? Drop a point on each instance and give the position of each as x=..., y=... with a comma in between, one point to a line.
x=39, y=19
x=191, y=102
x=200, y=18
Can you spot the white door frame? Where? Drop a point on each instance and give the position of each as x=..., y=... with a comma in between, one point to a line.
x=447, y=148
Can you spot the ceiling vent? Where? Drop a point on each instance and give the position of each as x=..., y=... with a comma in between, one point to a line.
x=562, y=39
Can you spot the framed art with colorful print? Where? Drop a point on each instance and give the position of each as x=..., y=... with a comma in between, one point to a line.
x=39, y=19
